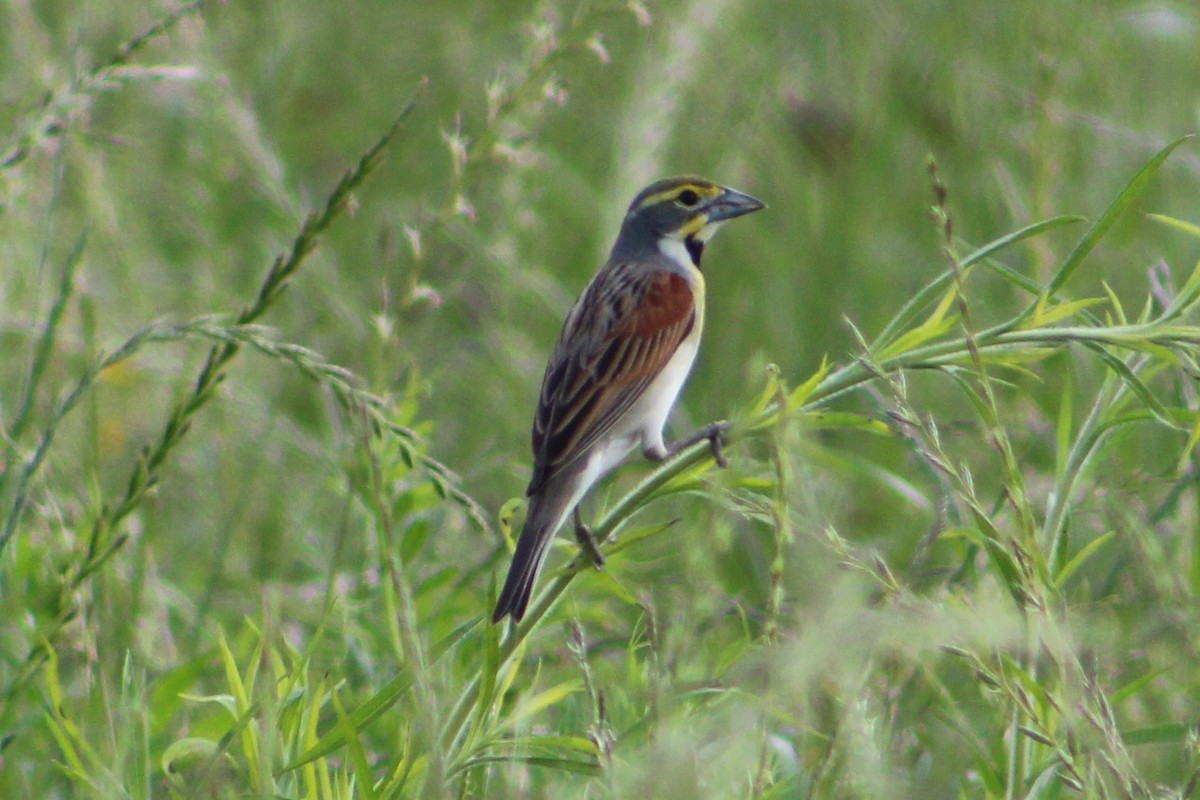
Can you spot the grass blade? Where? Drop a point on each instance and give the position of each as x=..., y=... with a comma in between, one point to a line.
x=1118, y=207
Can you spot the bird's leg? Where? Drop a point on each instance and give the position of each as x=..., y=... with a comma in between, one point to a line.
x=713, y=432
x=587, y=541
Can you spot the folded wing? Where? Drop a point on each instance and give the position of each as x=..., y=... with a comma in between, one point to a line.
x=617, y=338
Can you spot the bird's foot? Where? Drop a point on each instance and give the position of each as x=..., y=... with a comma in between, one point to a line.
x=587, y=542
x=715, y=434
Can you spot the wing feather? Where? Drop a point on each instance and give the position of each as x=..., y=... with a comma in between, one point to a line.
x=617, y=339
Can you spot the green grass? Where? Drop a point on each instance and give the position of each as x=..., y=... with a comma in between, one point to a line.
x=279, y=282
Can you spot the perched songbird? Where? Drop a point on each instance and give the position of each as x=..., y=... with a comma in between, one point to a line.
x=622, y=357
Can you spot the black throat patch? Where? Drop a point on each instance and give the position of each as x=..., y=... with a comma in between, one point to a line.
x=694, y=247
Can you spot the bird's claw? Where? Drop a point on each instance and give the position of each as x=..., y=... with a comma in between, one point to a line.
x=715, y=433
x=587, y=542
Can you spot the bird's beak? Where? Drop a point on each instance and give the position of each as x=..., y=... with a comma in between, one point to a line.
x=729, y=204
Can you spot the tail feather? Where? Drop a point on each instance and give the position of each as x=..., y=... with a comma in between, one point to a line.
x=547, y=510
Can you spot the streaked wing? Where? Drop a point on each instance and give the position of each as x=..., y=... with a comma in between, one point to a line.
x=617, y=338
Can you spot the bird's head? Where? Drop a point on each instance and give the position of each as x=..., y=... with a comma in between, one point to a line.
x=677, y=216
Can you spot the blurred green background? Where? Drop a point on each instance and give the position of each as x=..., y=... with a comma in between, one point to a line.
x=191, y=165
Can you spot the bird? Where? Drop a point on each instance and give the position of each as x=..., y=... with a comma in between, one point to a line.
x=624, y=352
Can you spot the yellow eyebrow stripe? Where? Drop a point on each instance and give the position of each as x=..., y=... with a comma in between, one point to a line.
x=674, y=191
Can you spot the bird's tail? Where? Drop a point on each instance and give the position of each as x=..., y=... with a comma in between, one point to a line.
x=547, y=511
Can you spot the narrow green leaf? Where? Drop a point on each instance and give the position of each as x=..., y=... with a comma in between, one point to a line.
x=226, y=701
x=358, y=754
x=1133, y=687
x=1001, y=557
x=1135, y=383
x=1178, y=224
x=770, y=390
x=66, y=737
x=575, y=744
x=186, y=751
x=802, y=392
x=441, y=646
x=1115, y=302
x=1027, y=232
x=605, y=577
x=1082, y=556
x=361, y=717
x=588, y=768
x=1017, y=279
x=1185, y=456
x=1161, y=734
x=843, y=420
x=1097, y=232
x=45, y=344
x=510, y=668
x=1064, y=427
x=232, y=674
x=934, y=326
x=414, y=540
x=912, y=490
x=1062, y=546
x=530, y=706
x=639, y=534
x=490, y=670
x=1014, y=358
x=1046, y=313
x=1186, y=297
x=909, y=311
x=1031, y=685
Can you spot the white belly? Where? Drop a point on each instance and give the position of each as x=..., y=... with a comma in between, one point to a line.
x=650, y=414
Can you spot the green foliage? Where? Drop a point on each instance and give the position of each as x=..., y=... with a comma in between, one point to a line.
x=956, y=552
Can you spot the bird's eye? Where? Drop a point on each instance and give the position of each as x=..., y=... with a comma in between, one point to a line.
x=688, y=197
